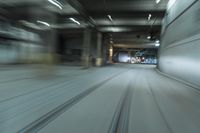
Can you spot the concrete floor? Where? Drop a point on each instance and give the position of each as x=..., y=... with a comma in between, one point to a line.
x=122, y=98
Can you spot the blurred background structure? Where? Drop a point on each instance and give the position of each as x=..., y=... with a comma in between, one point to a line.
x=76, y=30
x=95, y=66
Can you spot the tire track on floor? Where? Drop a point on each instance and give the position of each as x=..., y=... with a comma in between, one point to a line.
x=52, y=115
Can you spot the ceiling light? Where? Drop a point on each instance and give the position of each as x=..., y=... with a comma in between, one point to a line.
x=44, y=23
x=170, y=3
x=29, y=24
x=157, y=1
x=149, y=17
x=56, y=3
x=109, y=16
x=157, y=44
x=75, y=21
x=148, y=37
x=157, y=41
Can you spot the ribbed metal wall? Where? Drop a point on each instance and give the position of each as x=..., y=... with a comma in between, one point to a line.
x=179, y=54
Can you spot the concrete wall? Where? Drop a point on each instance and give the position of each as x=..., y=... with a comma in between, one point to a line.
x=18, y=49
x=179, y=54
x=76, y=43
x=8, y=53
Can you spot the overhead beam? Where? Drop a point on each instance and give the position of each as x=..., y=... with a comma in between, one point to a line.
x=136, y=5
x=150, y=45
x=82, y=11
x=135, y=28
x=128, y=23
x=128, y=14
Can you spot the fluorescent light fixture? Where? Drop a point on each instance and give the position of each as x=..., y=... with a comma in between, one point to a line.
x=56, y=3
x=170, y=3
x=157, y=1
x=75, y=21
x=114, y=29
x=157, y=41
x=29, y=24
x=157, y=44
x=149, y=17
x=44, y=23
x=109, y=16
x=148, y=37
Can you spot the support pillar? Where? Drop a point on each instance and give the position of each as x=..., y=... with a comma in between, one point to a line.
x=110, y=53
x=99, y=59
x=129, y=56
x=86, y=59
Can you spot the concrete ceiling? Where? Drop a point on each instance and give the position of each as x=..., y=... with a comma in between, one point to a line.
x=128, y=16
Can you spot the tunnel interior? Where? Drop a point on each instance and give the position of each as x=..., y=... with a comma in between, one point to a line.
x=43, y=26
x=100, y=66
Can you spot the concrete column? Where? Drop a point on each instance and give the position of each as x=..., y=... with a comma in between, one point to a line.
x=86, y=61
x=110, y=53
x=129, y=55
x=99, y=59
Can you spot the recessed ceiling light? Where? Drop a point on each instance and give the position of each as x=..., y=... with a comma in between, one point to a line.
x=157, y=41
x=157, y=1
x=75, y=21
x=44, y=23
x=56, y=3
x=157, y=44
x=109, y=16
x=148, y=37
x=170, y=3
x=149, y=17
